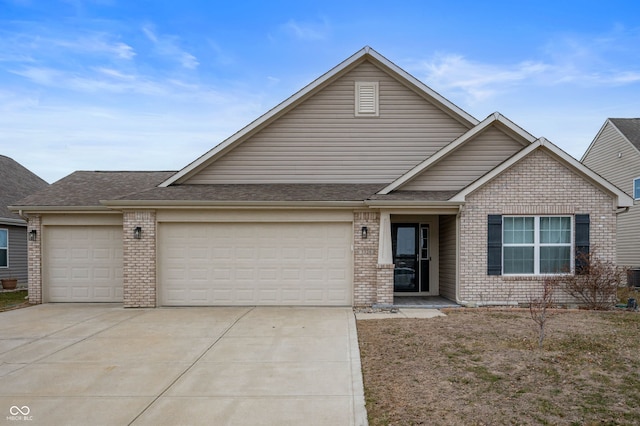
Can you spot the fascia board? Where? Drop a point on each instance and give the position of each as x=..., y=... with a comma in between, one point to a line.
x=12, y=222
x=607, y=121
x=461, y=140
x=59, y=209
x=514, y=128
x=444, y=102
x=199, y=204
x=266, y=118
x=624, y=200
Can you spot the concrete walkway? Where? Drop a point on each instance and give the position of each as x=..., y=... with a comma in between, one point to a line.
x=64, y=364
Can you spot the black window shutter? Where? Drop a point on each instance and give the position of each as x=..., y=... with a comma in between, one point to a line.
x=582, y=241
x=494, y=246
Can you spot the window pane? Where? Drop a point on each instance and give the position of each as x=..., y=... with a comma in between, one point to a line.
x=3, y=238
x=555, y=260
x=3, y=258
x=518, y=260
x=636, y=189
x=555, y=230
x=518, y=230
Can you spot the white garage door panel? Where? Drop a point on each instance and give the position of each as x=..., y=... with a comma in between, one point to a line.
x=84, y=263
x=255, y=264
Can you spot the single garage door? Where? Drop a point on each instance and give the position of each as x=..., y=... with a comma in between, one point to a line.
x=83, y=263
x=255, y=264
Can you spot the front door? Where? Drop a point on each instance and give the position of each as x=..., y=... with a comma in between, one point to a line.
x=410, y=244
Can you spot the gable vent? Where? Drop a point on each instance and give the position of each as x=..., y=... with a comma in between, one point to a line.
x=367, y=98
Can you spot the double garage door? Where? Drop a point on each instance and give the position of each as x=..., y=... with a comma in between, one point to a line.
x=255, y=264
x=205, y=264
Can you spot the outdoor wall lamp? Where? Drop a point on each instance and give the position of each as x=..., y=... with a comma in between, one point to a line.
x=33, y=234
x=137, y=232
x=364, y=232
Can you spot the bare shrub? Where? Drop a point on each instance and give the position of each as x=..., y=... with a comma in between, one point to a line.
x=539, y=308
x=595, y=283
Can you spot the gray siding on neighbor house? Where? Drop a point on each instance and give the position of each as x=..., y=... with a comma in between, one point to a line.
x=615, y=159
x=448, y=257
x=322, y=141
x=467, y=163
x=17, y=254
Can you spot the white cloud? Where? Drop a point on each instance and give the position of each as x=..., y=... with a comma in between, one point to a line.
x=168, y=46
x=479, y=81
x=307, y=31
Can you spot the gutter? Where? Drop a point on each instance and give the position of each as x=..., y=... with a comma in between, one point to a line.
x=197, y=204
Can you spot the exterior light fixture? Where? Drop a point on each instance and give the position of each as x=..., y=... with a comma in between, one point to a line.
x=137, y=232
x=33, y=235
x=364, y=232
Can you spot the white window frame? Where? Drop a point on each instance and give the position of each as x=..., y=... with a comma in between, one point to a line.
x=360, y=110
x=537, y=245
x=5, y=248
x=636, y=188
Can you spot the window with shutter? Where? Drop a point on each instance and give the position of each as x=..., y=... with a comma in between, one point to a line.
x=366, y=98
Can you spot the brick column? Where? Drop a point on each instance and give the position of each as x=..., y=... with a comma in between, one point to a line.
x=365, y=257
x=385, y=284
x=34, y=260
x=139, y=259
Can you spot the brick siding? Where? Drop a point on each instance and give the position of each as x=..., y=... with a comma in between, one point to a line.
x=139, y=257
x=537, y=185
x=34, y=254
x=365, y=274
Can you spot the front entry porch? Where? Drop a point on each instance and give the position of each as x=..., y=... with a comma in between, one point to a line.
x=421, y=250
x=423, y=302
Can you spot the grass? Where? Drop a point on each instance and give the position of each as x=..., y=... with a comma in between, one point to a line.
x=12, y=299
x=483, y=367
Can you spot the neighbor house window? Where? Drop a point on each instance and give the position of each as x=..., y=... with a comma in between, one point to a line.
x=4, y=248
x=536, y=245
x=636, y=188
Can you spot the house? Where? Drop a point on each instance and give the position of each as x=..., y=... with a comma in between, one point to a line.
x=16, y=182
x=364, y=186
x=615, y=155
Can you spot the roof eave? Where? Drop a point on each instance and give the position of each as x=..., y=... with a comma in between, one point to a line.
x=496, y=117
x=413, y=204
x=12, y=222
x=198, y=204
x=59, y=209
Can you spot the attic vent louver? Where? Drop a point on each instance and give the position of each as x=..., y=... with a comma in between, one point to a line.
x=367, y=98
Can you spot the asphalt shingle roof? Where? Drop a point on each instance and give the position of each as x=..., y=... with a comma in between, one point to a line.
x=258, y=192
x=630, y=128
x=16, y=182
x=86, y=189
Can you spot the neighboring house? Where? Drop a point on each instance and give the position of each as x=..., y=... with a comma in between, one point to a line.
x=16, y=182
x=364, y=186
x=615, y=155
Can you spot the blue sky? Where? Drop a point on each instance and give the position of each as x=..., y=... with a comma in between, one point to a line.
x=150, y=85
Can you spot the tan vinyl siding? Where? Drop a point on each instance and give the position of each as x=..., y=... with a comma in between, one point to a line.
x=615, y=159
x=467, y=163
x=603, y=159
x=322, y=141
x=448, y=257
x=628, y=237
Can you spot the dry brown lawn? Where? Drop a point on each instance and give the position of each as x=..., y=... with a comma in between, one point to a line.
x=483, y=367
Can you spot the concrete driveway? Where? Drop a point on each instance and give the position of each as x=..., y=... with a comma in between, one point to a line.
x=64, y=364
